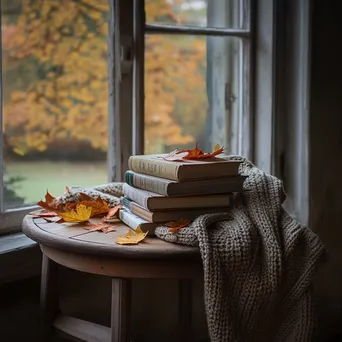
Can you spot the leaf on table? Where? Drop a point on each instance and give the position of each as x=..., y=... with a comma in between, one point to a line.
x=52, y=219
x=51, y=203
x=43, y=213
x=103, y=227
x=132, y=237
x=177, y=225
x=113, y=214
x=80, y=214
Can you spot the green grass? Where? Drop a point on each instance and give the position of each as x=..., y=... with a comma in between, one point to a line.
x=54, y=177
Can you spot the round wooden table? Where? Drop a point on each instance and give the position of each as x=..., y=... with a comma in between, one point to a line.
x=96, y=252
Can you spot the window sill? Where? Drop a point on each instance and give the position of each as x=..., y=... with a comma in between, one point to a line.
x=20, y=258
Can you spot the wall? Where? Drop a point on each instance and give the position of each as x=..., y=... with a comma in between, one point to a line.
x=326, y=158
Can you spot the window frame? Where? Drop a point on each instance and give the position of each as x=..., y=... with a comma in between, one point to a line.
x=266, y=52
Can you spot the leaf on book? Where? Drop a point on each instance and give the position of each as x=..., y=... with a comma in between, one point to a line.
x=103, y=227
x=194, y=154
x=176, y=155
x=81, y=213
x=132, y=237
x=177, y=225
x=113, y=214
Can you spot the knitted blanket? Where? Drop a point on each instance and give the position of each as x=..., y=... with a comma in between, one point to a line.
x=258, y=264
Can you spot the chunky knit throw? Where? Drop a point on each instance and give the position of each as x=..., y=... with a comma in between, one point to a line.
x=258, y=265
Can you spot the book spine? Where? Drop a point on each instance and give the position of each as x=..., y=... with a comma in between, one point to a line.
x=153, y=167
x=130, y=219
x=146, y=183
x=135, y=195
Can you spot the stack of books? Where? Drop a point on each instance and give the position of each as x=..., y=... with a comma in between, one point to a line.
x=158, y=191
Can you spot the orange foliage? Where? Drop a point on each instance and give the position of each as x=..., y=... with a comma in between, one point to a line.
x=67, y=41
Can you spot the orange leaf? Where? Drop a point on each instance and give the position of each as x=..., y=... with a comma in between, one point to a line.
x=98, y=206
x=176, y=225
x=104, y=227
x=43, y=213
x=51, y=203
x=176, y=155
x=113, y=213
x=195, y=153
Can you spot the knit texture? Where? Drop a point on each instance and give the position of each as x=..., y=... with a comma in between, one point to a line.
x=258, y=262
x=110, y=193
x=258, y=265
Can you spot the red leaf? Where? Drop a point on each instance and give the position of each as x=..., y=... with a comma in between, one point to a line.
x=177, y=225
x=113, y=213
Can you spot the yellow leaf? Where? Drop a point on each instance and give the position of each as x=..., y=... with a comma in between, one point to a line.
x=131, y=238
x=81, y=214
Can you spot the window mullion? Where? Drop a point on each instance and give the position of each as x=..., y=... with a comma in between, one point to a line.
x=138, y=77
x=247, y=21
x=1, y=129
x=120, y=87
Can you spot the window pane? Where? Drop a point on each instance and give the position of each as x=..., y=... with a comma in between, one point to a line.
x=192, y=92
x=54, y=96
x=204, y=13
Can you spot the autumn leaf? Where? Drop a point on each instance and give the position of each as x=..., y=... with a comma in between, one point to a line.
x=104, y=227
x=98, y=206
x=132, y=237
x=80, y=214
x=176, y=155
x=43, y=213
x=177, y=225
x=195, y=153
x=51, y=203
x=113, y=213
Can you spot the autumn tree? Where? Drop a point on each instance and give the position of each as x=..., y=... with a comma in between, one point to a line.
x=64, y=42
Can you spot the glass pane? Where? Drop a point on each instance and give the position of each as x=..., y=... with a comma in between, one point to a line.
x=54, y=73
x=203, y=13
x=192, y=92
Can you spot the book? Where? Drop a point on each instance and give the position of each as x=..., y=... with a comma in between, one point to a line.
x=186, y=170
x=168, y=215
x=133, y=221
x=153, y=202
x=167, y=187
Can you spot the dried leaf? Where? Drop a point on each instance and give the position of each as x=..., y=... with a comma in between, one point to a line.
x=177, y=225
x=113, y=214
x=52, y=219
x=51, y=203
x=132, y=237
x=98, y=206
x=43, y=213
x=195, y=153
x=80, y=214
x=176, y=155
x=98, y=227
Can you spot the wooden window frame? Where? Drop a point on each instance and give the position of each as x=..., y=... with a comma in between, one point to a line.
x=263, y=127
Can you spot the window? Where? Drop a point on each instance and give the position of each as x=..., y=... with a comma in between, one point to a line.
x=178, y=71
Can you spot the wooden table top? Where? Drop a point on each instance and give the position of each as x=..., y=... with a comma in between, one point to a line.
x=77, y=239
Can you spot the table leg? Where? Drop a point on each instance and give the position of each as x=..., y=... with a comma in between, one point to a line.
x=185, y=310
x=48, y=298
x=121, y=307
